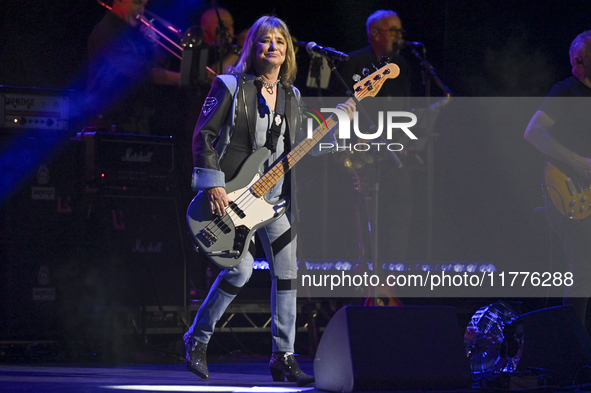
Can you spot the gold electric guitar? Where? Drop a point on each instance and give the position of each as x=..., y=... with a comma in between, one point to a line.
x=569, y=194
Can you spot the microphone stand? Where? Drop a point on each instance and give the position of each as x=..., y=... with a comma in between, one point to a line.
x=428, y=74
x=374, y=235
x=223, y=34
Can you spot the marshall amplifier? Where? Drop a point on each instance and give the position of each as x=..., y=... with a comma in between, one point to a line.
x=128, y=160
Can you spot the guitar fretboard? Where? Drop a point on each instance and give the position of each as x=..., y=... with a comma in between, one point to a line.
x=279, y=170
x=366, y=88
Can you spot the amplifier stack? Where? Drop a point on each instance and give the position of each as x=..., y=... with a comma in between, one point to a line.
x=88, y=221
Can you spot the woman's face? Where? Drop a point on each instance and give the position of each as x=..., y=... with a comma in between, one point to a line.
x=270, y=51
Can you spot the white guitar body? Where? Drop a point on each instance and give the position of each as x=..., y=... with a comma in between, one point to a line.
x=225, y=239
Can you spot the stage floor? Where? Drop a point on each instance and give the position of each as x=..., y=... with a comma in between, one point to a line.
x=232, y=375
x=226, y=375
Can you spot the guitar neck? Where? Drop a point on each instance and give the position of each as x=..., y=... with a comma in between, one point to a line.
x=368, y=87
x=279, y=170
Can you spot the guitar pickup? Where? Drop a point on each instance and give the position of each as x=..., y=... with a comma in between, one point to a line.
x=237, y=210
x=571, y=187
x=219, y=222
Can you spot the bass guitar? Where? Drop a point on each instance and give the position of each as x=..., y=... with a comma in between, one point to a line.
x=225, y=239
x=568, y=193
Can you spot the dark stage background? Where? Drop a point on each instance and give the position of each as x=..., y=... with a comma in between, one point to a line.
x=487, y=181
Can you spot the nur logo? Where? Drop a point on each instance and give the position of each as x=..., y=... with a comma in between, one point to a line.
x=393, y=120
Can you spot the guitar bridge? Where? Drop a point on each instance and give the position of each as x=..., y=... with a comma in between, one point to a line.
x=207, y=236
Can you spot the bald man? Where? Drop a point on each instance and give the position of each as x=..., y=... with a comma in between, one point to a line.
x=559, y=129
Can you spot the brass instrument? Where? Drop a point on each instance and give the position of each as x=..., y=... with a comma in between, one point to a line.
x=171, y=46
x=190, y=39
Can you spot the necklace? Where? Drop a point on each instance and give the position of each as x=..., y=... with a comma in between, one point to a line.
x=268, y=86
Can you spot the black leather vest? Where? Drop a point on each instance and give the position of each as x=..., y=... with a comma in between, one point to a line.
x=243, y=135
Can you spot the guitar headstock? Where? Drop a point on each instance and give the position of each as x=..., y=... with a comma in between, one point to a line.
x=371, y=84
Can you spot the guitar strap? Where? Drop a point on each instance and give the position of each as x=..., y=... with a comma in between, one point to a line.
x=241, y=142
x=278, y=118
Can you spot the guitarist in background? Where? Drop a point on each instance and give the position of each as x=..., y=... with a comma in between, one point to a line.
x=385, y=37
x=256, y=106
x=561, y=130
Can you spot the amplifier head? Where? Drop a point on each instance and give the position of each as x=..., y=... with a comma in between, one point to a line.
x=34, y=108
x=129, y=160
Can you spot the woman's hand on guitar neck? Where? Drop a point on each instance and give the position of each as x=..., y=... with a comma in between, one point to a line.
x=218, y=200
x=348, y=108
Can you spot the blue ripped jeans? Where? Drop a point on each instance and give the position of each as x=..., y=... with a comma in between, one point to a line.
x=280, y=250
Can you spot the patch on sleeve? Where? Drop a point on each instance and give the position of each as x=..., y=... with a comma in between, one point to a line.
x=208, y=105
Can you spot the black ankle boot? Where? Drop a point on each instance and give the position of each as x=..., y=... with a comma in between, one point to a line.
x=195, y=359
x=283, y=365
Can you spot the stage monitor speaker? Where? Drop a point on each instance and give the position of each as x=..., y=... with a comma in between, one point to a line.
x=555, y=340
x=392, y=348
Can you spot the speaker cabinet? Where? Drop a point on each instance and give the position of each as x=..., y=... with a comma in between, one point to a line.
x=40, y=200
x=392, y=348
x=138, y=241
x=555, y=340
x=32, y=284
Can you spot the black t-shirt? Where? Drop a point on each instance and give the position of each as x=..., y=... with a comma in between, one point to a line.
x=569, y=105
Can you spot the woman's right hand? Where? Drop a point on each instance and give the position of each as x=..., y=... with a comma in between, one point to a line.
x=218, y=200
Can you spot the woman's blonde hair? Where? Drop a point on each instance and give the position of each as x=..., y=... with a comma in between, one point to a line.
x=261, y=27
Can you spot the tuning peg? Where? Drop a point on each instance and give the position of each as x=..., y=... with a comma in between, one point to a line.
x=365, y=71
x=356, y=77
x=385, y=60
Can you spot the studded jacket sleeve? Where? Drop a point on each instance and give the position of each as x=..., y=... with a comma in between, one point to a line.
x=212, y=133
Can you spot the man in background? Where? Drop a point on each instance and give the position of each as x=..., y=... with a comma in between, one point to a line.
x=123, y=66
x=385, y=39
x=559, y=129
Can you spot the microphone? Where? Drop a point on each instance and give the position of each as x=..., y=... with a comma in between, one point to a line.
x=312, y=47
